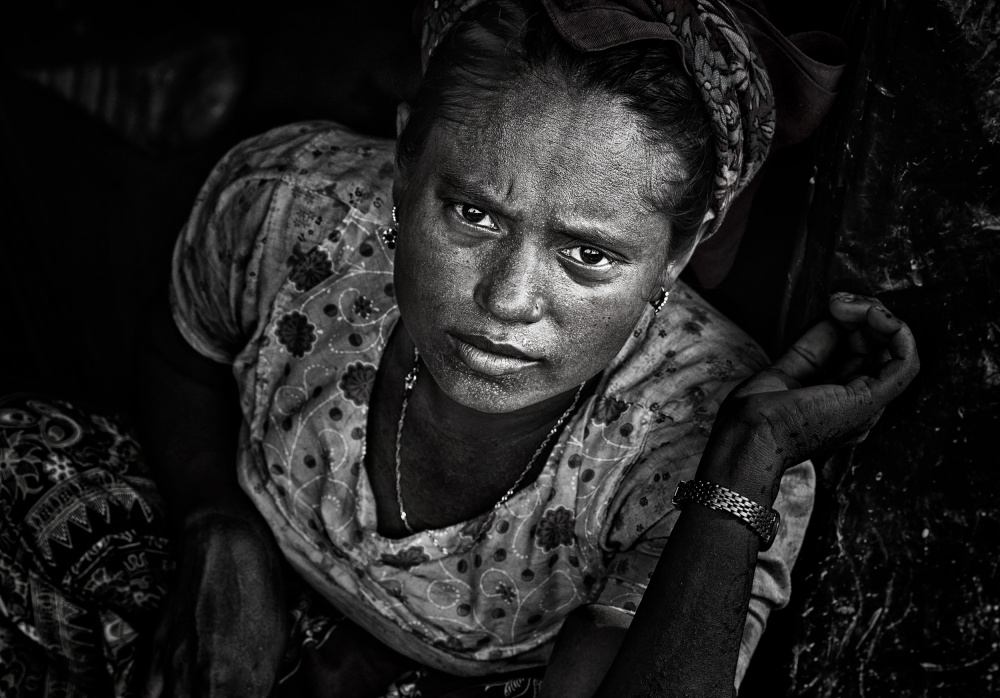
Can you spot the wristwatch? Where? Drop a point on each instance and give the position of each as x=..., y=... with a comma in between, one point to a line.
x=761, y=520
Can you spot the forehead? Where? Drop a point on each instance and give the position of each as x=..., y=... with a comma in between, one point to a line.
x=582, y=154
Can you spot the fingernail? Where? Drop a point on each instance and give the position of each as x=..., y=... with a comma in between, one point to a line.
x=845, y=297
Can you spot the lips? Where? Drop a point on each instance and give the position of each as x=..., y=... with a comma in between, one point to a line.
x=492, y=358
x=501, y=348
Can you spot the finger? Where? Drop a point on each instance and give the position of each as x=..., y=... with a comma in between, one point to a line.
x=874, y=326
x=896, y=373
x=849, y=308
x=854, y=310
x=155, y=683
x=881, y=320
x=904, y=362
x=808, y=356
x=180, y=681
x=769, y=380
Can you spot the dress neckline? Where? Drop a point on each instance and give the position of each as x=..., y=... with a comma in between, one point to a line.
x=366, y=511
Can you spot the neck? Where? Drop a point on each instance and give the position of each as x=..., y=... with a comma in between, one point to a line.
x=471, y=425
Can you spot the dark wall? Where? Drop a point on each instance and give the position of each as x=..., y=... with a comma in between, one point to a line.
x=898, y=589
x=111, y=116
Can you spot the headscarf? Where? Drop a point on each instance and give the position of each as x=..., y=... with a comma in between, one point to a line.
x=727, y=70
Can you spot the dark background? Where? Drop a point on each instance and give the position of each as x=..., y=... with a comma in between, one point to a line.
x=111, y=117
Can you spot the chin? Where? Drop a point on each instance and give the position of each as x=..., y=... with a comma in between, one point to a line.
x=488, y=394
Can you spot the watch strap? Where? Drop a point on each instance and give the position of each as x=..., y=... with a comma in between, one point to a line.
x=761, y=520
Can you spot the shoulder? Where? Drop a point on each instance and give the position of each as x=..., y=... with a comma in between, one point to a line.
x=682, y=357
x=671, y=375
x=298, y=179
x=313, y=183
x=656, y=407
x=281, y=212
x=320, y=156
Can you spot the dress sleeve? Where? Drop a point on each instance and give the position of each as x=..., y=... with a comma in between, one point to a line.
x=214, y=291
x=646, y=516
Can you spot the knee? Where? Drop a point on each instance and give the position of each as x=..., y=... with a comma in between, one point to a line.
x=79, y=508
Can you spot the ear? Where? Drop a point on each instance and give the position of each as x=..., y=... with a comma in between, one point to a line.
x=675, y=266
x=402, y=118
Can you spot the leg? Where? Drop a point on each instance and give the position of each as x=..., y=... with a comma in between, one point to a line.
x=84, y=552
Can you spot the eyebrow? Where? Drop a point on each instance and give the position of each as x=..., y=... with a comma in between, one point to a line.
x=472, y=190
x=593, y=234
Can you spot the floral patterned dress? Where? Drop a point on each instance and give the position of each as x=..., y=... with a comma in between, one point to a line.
x=281, y=272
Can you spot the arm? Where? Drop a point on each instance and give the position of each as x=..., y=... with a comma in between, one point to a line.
x=189, y=419
x=684, y=639
x=224, y=626
x=702, y=585
x=223, y=631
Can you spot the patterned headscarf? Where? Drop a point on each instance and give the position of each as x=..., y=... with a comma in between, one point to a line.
x=721, y=61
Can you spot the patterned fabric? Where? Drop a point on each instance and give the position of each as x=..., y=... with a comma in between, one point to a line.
x=281, y=272
x=84, y=555
x=724, y=66
x=427, y=684
x=85, y=559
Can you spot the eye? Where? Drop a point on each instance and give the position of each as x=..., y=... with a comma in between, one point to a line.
x=474, y=216
x=589, y=256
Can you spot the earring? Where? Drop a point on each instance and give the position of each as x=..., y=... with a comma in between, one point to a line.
x=662, y=301
x=388, y=235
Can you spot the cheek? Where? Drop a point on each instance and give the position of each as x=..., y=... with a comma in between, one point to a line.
x=431, y=279
x=594, y=331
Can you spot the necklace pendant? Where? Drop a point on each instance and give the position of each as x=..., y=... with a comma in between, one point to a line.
x=410, y=380
x=411, y=377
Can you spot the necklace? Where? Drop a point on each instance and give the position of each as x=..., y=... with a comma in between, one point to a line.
x=408, y=383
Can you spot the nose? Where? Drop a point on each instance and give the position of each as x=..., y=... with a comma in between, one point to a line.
x=511, y=284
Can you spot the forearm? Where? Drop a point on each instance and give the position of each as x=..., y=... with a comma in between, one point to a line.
x=685, y=637
x=188, y=418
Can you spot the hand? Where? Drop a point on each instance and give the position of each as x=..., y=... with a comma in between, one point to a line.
x=853, y=365
x=350, y=663
x=224, y=629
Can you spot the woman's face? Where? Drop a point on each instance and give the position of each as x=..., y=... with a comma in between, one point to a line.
x=528, y=248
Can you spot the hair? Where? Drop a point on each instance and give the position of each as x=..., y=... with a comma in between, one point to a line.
x=499, y=43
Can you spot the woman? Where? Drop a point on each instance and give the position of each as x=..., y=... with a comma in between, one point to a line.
x=469, y=383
